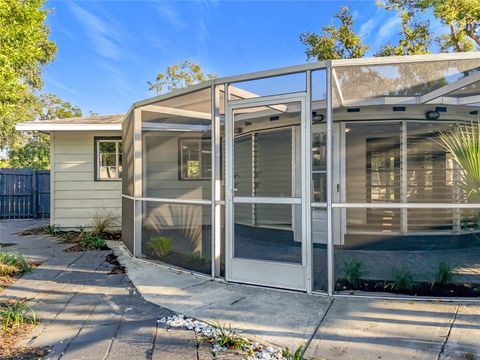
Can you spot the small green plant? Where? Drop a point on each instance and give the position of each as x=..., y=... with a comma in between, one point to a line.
x=354, y=270
x=196, y=258
x=16, y=313
x=161, y=246
x=297, y=355
x=445, y=273
x=92, y=241
x=229, y=338
x=103, y=222
x=402, y=280
x=52, y=229
x=12, y=262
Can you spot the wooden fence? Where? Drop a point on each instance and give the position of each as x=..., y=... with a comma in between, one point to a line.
x=24, y=193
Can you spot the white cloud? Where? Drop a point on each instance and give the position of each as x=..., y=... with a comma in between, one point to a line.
x=367, y=27
x=60, y=86
x=387, y=30
x=105, y=38
x=168, y=13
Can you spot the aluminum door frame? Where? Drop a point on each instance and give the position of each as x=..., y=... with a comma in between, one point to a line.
x=264, y=272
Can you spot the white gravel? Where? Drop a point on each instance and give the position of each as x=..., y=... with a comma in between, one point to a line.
x=208, y=331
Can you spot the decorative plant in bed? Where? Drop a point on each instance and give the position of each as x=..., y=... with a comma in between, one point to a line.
x=161, y=249
x=442, y=285
x=82, y=239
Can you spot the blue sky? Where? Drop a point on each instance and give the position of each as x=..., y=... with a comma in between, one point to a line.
x=107, y=50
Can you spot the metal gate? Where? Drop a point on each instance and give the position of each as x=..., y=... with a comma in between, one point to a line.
x=24, y=193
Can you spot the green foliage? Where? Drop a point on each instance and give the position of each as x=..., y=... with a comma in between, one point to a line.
x=24, y=49
x=161, y=246
x=230, y=339
x=196, y=258
x=103, y=222
x=297, y=355
x=463, y=144
x=179, y=75
x=354, y=270
x=14, y=314
x=52, y=229
x=53, y=107
x=415, y=37
x=32, y=153
x=12, y=262
x=32, y=150
x=462, y=17
x=92, y=241
x=445, y=273
x=336, y=42
x=402, y=280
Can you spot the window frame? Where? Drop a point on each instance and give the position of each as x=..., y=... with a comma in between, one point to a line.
x=96, y=150
x=200, y=142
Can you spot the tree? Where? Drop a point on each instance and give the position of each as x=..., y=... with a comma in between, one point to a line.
x=415, y=35
x=33, y=150
x=463, y=20
x=179, y=75
x=461, y=17
x=335, y=42
x=24, y=48
x=53, y=107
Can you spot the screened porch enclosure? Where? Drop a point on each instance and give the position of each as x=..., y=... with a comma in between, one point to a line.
x=283, y=178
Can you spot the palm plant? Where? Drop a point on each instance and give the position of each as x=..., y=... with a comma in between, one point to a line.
x=463, y=143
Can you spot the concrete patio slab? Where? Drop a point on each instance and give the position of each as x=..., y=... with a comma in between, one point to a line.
x=340, y=328
x=464, y=338
x=285, y=319
x=380, y=329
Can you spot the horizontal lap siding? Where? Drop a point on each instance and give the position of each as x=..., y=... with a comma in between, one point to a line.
x=77, y=197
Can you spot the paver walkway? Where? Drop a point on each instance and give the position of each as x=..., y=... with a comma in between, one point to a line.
x=87, y=313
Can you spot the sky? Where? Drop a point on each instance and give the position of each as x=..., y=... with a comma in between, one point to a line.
x=108, y=50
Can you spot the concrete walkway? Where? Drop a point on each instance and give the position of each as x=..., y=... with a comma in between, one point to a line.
x=85, y=312
x=88, y=313
x=333, y=329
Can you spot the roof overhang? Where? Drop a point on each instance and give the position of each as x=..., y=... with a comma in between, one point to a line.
x=39, y=126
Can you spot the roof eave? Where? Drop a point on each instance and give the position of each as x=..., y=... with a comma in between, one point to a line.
x=38, y=126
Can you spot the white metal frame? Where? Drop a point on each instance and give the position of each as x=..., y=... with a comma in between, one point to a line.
x=99, y=159
x=260, y=272
x=440, y=96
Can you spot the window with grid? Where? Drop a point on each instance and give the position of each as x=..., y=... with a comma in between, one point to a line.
x=108, y=155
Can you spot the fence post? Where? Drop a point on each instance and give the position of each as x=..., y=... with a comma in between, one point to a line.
x=34, y=194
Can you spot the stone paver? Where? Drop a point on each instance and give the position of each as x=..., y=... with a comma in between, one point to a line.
x=85, y=312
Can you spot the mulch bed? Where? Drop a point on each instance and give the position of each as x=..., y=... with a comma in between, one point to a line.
x=10, y=338
x=117, y=268
x=420, y=288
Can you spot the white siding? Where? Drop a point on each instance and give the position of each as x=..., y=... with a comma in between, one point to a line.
x=76, y=197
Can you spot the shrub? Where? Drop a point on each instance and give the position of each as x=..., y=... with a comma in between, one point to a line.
x=445, y=273
x=15, y=314
x=403, y=280
x=92, y=241
x=196, y=258
x=354, y=270
x=13, y=262
x=297, y=355
x=52, y=229
x=229, y=338
x=103, y=222
x=161, y=246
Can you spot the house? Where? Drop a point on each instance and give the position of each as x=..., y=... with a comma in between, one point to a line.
x=85, y=155
x=279, y=178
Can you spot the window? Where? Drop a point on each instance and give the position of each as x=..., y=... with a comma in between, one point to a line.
x=108, y=158
x=195, y=159
x=319, y=166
